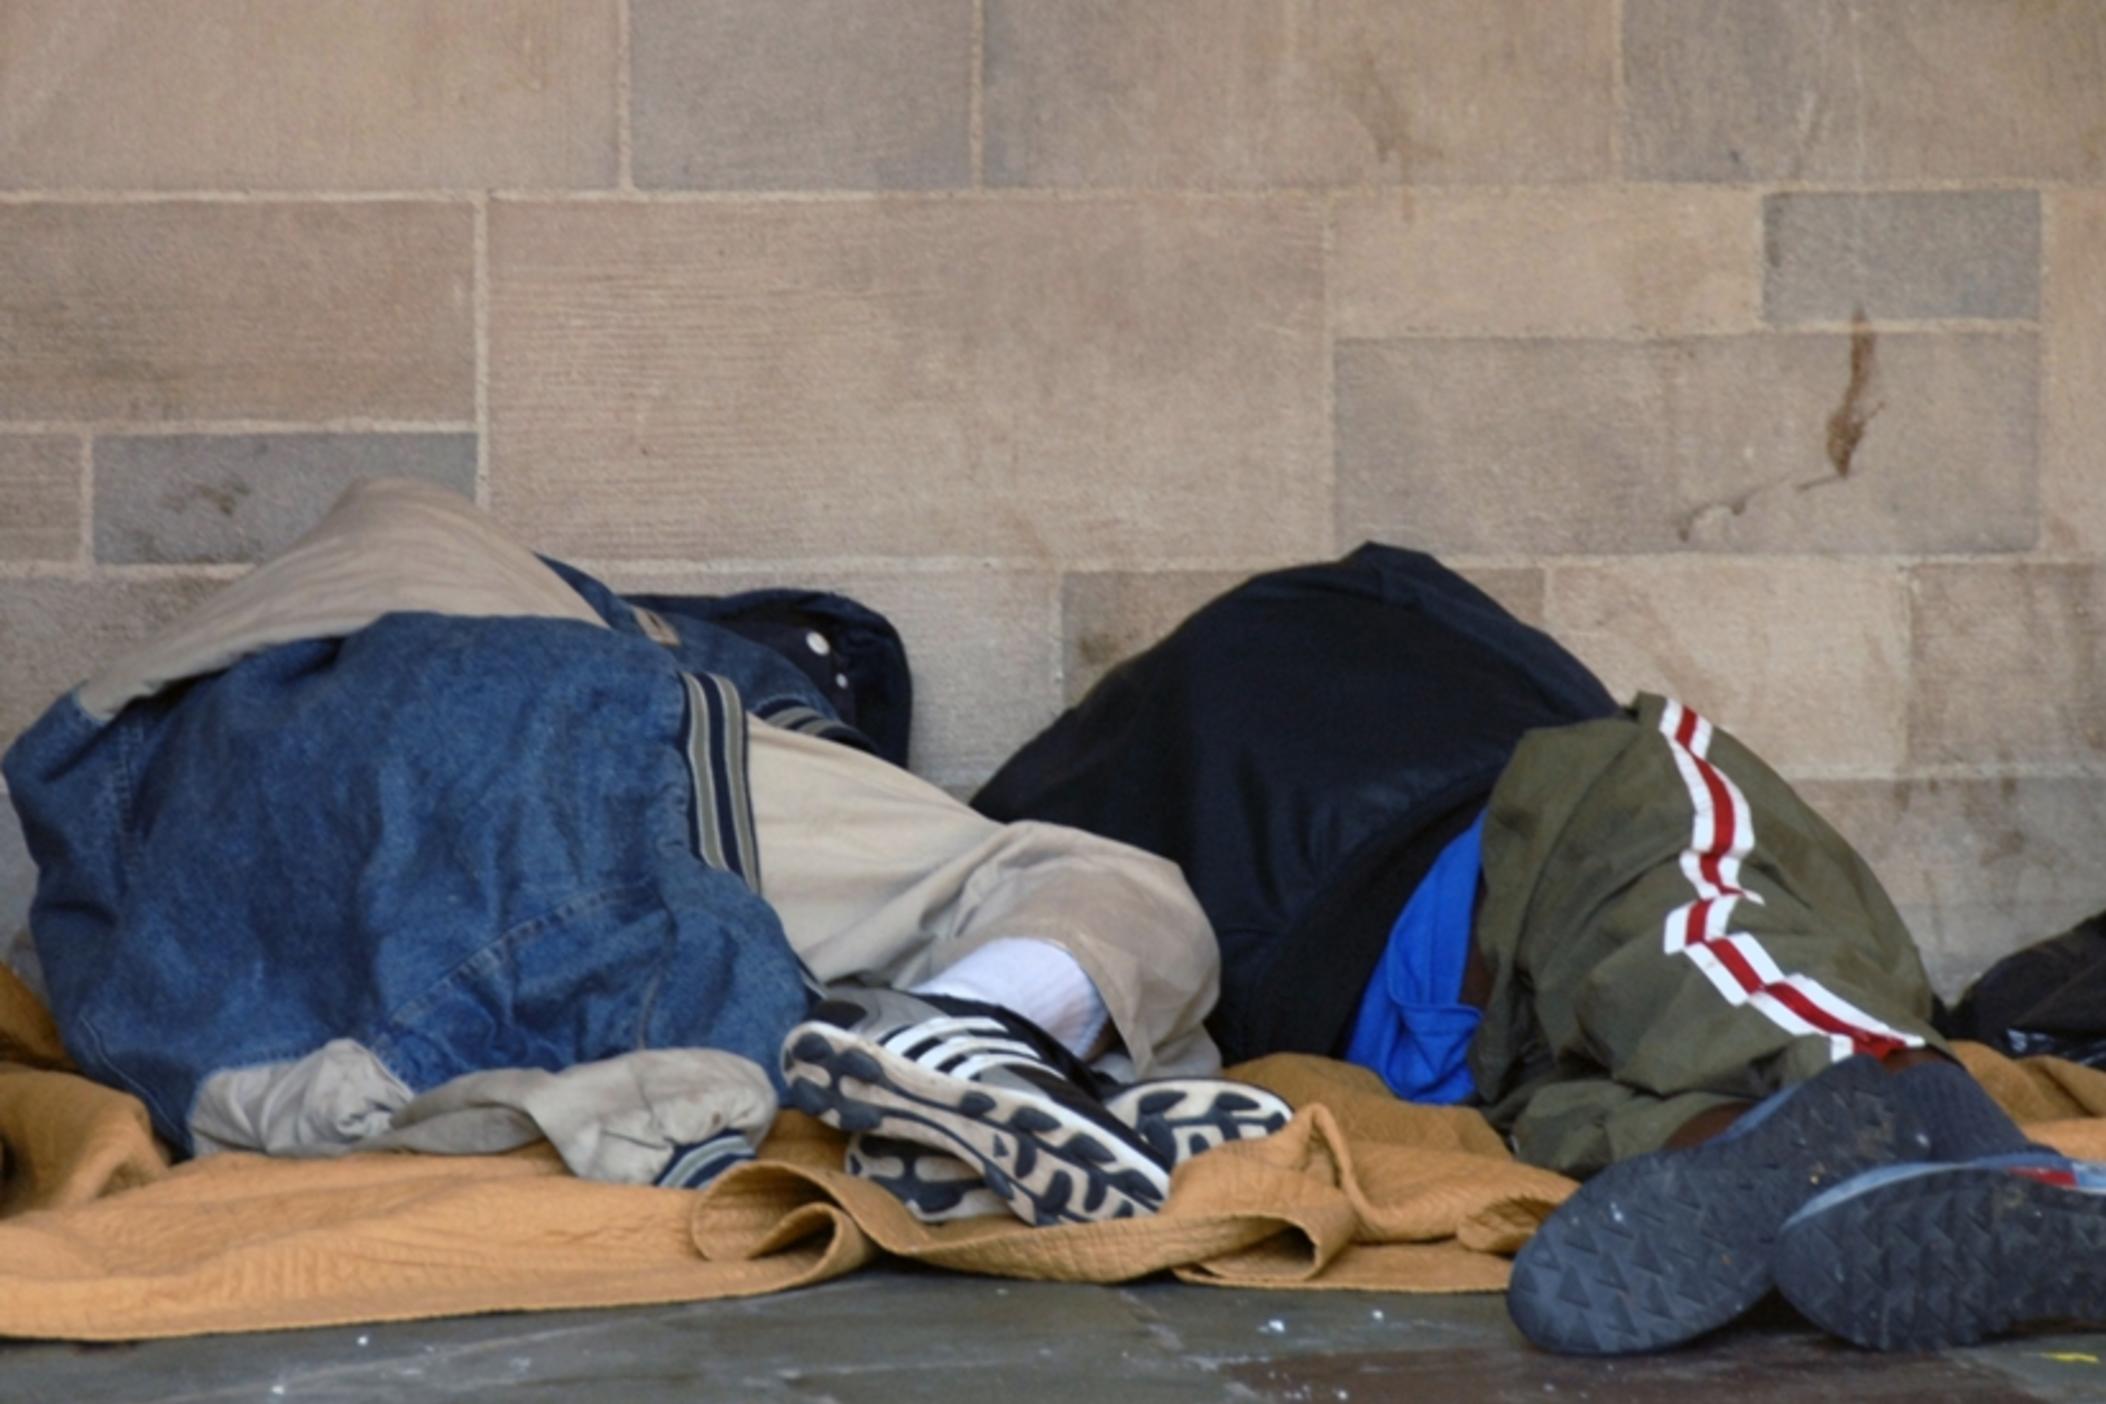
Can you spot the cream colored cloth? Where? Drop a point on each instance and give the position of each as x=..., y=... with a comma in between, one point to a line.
x=389, y=544
x=880, y=876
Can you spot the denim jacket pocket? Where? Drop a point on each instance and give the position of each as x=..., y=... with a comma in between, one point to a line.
x=575, y=984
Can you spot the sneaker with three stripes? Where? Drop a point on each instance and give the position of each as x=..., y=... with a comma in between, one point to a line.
x=1177, y=1117
x=979, y=1083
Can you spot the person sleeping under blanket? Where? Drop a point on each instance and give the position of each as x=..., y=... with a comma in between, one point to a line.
x=1430, y=842
x=411, y=840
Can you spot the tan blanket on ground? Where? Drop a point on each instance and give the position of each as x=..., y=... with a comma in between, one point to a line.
x=101, y=1240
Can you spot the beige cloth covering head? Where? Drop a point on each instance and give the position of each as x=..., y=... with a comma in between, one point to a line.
x=387, y=544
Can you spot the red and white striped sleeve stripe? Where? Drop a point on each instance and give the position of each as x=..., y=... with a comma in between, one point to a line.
x=1722, y=834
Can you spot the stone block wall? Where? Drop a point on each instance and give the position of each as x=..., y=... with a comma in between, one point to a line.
x=1756, y=349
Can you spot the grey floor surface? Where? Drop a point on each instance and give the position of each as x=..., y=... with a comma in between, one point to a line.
x=893, y=1336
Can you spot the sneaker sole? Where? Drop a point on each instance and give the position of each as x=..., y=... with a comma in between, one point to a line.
x=1947, y=1258
x=1047, y=1164
x=1177, y=1118
x=1659, y=1249
x=1180, y=1117
x=936, y=1187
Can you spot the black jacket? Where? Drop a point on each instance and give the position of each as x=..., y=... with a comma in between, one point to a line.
x=1303, y=747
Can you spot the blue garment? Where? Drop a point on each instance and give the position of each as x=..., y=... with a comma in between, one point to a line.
x=465, y=843
x=1413, y=1027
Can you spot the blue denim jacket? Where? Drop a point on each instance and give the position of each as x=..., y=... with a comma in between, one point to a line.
x=466, y=843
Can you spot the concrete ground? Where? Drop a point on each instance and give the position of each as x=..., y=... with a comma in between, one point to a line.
x=897, y=1335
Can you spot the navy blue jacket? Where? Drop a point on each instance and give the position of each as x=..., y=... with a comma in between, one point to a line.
x=1303, y=747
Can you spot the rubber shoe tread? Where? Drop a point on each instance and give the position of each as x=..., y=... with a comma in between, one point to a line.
x=936, y=1187
x=1946, y=1258
x=1180, y=1117
x=1659, y=1249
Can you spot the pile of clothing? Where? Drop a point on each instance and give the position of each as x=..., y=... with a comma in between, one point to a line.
x=412, y=840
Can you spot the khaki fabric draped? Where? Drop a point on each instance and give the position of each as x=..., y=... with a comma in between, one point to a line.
x=100, y=1239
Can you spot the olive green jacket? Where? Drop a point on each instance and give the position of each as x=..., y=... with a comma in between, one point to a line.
x=1669, y=928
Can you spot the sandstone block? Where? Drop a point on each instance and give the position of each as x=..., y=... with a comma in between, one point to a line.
x=1031, y=380
x=1218, y=93
x=203, y=310
x=1882, y=442
x=39, y=497
x=198, y=498
x=1804, y=660
x=1971, y=253
x=253, y=95
x=2012, y=663
x=1846, y=90
x=802, y=93
x=1545, y=262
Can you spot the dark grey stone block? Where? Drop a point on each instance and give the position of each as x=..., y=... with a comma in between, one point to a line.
x=39, y=497
x=199, y=498
x=802, y=94
x=1863, y=91
x=18, y=883
x=55, y=632
x=1963, y=253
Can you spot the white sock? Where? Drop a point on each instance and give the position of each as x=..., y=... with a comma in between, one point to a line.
x=1036, y=979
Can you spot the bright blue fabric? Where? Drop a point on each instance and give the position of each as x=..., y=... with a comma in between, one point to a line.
x=1413, y=1029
